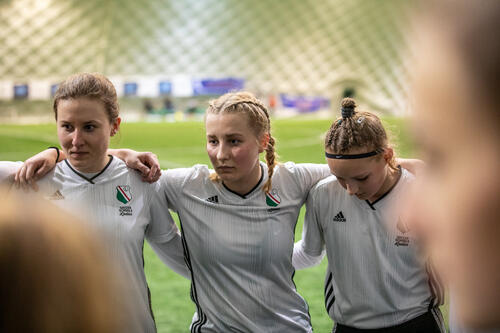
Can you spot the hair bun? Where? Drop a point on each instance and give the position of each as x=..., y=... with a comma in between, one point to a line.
x=348, y=107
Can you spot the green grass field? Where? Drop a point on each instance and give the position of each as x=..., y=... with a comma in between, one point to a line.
x=183, y=144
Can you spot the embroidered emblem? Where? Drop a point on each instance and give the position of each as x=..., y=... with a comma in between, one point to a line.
x=57, y=195
x=272, y=198
x=123, y=194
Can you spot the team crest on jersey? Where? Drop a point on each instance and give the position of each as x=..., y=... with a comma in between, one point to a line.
x=123, y=194
x=272, y=198
x=402, y=227
x=402, y=240
x=57, y=195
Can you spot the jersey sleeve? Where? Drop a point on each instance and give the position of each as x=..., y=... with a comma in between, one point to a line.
x=162, y=233
x=301, y=259
x=8, y=169
x=308, y=174
x=172, y=182
x=313, y=241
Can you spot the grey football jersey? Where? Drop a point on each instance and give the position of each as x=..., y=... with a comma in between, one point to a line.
x=239, y=248
x=124, y=210
x=375, y=277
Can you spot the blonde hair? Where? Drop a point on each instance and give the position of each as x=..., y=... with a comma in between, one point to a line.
x=258, y=118
x=89, y=85
x=53, y=276
x=357, y=130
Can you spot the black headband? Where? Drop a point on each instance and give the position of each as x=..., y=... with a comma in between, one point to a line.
x=355, y=156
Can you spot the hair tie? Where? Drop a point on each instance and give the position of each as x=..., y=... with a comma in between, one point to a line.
x=347, y=112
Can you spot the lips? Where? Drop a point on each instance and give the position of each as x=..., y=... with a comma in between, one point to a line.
x=78, y=154
x=224, y=169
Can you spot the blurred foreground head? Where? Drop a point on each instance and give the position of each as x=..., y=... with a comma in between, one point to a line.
x=53, y=277
x=457, y=123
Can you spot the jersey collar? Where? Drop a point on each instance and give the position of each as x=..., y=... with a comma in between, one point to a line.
x=244, y=196
x=90, y=180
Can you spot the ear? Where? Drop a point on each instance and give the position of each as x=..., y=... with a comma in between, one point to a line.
x=115, y=126
x=263, y=142
x=388, y=154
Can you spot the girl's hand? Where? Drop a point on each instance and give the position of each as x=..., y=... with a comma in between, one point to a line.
x=145, y=162
x=35, y=168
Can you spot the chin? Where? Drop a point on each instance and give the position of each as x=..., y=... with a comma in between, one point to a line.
x=81, y=165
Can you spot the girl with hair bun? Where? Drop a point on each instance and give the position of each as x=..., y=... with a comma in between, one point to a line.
x=238, y=222
x=375, y=280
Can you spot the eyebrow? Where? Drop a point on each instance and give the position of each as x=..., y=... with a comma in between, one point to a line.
x=227, y=135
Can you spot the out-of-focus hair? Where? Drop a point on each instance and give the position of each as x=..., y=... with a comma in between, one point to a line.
x=89, y=85
x=356, y=130
x=473, y=27
x=54, y=277
x=246, y=104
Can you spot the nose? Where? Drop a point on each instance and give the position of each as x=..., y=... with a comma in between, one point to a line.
x=351, y=189
x=223, y=152
x=77, y=138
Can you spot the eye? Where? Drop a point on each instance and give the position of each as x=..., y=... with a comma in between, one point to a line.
x=235, y=141
x=89, y=127
x=67, y=127
x=362, y=179
x=212, y=142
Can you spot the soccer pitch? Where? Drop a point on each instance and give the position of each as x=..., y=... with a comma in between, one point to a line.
x=182, y=145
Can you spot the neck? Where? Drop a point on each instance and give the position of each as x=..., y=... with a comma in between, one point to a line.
x=391, y=178
x=94, y=168
x=243, y=186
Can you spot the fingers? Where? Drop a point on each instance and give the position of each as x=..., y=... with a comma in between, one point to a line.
x=143, y=169
x=30, y=171
x=21, y=178
x=154, y=174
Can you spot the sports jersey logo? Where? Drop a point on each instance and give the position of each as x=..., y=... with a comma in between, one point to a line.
x=402, y=227
x=214, y=199
x=402, y=241
x=57, y=195
x=272, y=198
x=123, y=194
x=339, y=217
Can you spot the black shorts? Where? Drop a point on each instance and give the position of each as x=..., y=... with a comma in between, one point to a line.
x=429, y=322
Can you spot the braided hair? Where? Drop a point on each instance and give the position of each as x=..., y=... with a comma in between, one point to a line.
x=357, y=130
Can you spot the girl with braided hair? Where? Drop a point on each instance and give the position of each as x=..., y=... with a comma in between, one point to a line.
x=375, y=280
x=238, y=221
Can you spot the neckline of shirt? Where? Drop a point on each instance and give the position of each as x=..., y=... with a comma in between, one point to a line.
x=89, y=177
x=371, y=205
x=245, y=196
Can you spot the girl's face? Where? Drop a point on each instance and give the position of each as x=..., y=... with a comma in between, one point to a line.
x=455, y=207
x=233, y=148
x=84, y=130
x=364, y=177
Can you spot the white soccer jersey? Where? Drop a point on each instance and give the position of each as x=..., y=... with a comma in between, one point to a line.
x=7, y=169
x=239, y=248
x=374, y=277
x=120, y=206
